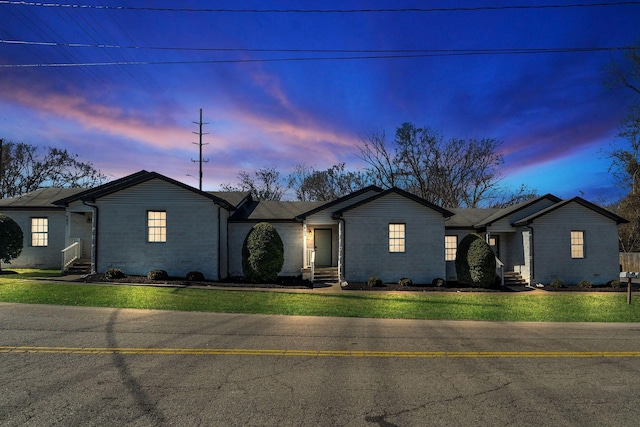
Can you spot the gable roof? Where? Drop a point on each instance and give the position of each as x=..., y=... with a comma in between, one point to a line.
x=578, y=200
x=446, y=213
x=474, y=218
x=42, y=198
x=134, y=179
x=502, y=213
x=326, y=205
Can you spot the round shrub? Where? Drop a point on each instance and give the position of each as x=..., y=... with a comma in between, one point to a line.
x=438, y=282
x=262, y=253
x=556, y=283
x=157, y=275
x=114, y=273
x=614, y=284
x=374, y=281
x=462, y=263
x=11, y=239
x=405, y=281
x=195, y=276
x=585, y=284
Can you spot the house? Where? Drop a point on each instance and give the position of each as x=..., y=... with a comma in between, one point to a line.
x=147, y=221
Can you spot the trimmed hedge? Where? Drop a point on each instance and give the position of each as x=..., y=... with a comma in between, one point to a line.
x=462, y=263
x=157, y=275
x=262, y=254
x=11, y=239
x=114, y=273
x=475, y=262
x=195, y=276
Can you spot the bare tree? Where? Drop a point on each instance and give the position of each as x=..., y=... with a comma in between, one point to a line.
x=626, y=74
x=26, y=168
x=313, y=185
x=265, y=183
x=625, y=159
x=450, y=173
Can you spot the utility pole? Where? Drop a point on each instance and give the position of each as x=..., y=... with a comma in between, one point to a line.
x=200, y=144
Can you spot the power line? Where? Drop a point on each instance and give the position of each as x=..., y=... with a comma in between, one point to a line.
x=265, y=50
x=331, y=58
x=386, y=10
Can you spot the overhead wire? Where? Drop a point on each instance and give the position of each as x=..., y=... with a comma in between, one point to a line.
x=379, y=10
x=400, y=55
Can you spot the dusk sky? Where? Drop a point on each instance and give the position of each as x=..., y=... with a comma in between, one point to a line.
x=280, y=87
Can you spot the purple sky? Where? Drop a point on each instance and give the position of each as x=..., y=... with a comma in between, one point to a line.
x=550, y=109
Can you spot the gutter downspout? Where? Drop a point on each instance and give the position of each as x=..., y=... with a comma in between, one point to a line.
x=341, y=273
x=94, y=245
x=219, y=243
x=531, y=257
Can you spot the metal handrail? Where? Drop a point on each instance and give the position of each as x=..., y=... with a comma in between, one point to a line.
x=71, y=253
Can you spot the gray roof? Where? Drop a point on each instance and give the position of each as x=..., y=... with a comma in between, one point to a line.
x=273, y=211
x=233, y=197
x=469, y=217
x=41, y=198
x=134, y=179
x=578, y=200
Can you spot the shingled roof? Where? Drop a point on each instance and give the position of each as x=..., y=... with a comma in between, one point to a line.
x=270, y=210
x=42, y=198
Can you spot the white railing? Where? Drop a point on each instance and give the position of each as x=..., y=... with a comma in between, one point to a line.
x=500, y=270
x=311, y=262
x=308, y=258
x=71, y=253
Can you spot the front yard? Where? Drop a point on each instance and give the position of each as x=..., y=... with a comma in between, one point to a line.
x=495, y=306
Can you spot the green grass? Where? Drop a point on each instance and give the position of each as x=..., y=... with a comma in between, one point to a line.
x=27, y=273
x=556, y=307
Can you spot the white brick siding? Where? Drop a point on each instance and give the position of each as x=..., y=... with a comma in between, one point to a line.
x=192, y=231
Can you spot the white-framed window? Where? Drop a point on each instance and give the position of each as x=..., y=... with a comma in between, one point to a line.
x=39, y=231
x=450, y=247
x=157, y=226
x=577, y=244
x=396, y=237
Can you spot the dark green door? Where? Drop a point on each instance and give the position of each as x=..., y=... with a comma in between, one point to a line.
x=322, y=243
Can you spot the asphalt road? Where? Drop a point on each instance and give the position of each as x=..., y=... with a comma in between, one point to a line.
x=99, y=366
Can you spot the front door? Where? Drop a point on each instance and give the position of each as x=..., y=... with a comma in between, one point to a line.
x=322, y=244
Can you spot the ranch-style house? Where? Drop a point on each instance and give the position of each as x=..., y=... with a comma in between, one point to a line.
x=147, y=221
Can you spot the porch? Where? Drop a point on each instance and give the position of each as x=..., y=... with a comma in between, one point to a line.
x=321, y=256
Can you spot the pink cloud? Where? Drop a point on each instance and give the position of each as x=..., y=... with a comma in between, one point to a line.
x=96, y=117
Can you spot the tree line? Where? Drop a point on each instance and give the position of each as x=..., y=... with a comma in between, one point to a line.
x=25, y=168
x=625, y=156
x=450, y=172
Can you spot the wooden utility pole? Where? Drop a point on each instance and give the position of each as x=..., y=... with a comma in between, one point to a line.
x=200, y=144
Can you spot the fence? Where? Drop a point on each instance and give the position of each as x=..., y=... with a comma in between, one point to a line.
x=630, y=261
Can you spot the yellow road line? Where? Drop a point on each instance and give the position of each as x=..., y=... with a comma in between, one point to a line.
x=314, y=353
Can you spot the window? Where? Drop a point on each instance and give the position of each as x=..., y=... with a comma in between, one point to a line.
x=39, y=231
x=396, y=237
x=450, y=247
x=577, y=244
x=157, y=226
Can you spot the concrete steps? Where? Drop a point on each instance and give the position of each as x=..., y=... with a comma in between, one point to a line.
x=326, y=274
x=512, y=278
x=79, y=266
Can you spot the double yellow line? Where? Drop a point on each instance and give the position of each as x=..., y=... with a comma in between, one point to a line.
x=315, y=353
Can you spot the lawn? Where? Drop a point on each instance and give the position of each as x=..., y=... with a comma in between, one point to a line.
x=553, y=307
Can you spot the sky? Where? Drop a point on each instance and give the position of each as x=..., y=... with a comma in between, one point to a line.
x=280, y=83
